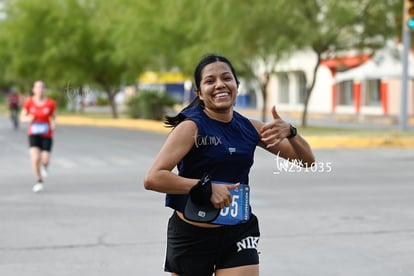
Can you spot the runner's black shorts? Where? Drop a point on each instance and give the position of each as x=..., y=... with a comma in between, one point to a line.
x=43, y=143
x=197, y=251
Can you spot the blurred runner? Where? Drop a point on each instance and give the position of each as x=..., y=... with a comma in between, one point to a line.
x=14, y=106
x=39, y=111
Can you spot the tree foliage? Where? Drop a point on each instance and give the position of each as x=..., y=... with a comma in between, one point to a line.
x=107, y=44
x=68, y=43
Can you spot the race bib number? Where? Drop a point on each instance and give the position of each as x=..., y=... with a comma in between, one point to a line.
x=239, y=210
x=39, y=128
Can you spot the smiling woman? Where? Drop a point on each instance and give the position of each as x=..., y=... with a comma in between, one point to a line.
x=213, y=228
x=218, y=90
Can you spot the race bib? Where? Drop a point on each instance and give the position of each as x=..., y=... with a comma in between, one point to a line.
x=239, y=210
x=39, y=128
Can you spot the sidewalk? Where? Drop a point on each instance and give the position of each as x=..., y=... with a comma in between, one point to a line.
x=322, y=141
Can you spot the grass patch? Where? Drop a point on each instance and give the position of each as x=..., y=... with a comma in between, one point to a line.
x=4, y=110
x=91, y=115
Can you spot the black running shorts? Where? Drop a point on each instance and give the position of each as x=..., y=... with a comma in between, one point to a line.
x=43, y=143
x=196, y=251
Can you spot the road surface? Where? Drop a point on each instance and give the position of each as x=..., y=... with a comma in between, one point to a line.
x=353, y=216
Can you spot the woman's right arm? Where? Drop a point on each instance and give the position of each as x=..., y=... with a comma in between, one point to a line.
x=160, y=177
x=25, y=116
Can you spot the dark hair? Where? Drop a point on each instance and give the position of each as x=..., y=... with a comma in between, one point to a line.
x=173, y=121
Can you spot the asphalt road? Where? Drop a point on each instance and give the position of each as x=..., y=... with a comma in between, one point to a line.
x=353, y=216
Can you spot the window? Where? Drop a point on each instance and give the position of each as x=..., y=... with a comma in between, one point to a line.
x=283, y=89
x=301, y=87
x=372, y=92
x=344, y=93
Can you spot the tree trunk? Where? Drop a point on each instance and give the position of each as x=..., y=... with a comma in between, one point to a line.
x=112, y=103
x=82, y=96
x=309, y=90
x=263, y=88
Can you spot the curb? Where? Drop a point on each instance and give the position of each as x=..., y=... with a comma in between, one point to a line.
x=316, y=142
x=140, y=124
x=331, y=142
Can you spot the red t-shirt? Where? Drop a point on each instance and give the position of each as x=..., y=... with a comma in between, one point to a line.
x=42, y=113
x=14, y=100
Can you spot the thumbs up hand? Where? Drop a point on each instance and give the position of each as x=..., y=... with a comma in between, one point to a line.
x=274, y=113
x=274, y=132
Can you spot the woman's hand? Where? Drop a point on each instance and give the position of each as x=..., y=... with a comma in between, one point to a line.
x=26, y=117
x=220, y=196
x=274, y=132
x=53, y=124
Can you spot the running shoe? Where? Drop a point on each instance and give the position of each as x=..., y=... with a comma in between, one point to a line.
x=38, y=187
x=43, y=171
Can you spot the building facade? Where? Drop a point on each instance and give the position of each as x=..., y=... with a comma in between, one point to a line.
x=370, y=85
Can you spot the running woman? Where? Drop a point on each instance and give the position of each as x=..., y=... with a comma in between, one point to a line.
x=39, y=112
x=209, y=137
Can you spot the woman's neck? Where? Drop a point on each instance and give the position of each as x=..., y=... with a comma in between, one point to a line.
x=39, y=98
x=224, y=116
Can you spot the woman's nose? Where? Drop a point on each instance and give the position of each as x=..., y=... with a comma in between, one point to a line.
x=219, y=83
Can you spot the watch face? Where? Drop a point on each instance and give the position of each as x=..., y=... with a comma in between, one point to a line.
x=293, y=132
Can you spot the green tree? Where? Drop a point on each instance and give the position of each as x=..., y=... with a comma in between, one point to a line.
x=254, y=36
x=109, y=43
x=46, y=40
x=72, y=43
x=257, y=36
x=176, y=33
x=23, y=50
x=264, y=36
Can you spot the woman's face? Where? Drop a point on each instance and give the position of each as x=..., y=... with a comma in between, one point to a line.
x=39, y=88
x=218, y=87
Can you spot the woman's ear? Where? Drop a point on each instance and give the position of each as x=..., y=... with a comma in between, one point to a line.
x=198, y=94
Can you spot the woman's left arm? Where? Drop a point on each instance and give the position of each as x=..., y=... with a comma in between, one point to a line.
x=53, y=116
x=274, y=135
x=53, y=121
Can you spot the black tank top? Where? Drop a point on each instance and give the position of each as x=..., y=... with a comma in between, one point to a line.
x=224, y=150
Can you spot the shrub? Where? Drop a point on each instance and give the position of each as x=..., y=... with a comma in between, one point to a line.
x=101, y=101
x=60, y=98
x=149, y=104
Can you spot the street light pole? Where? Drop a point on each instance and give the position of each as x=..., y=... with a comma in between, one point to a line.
x=406, y=36
x=187, y=91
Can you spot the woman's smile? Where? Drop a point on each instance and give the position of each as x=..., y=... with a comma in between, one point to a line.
x=222, y=95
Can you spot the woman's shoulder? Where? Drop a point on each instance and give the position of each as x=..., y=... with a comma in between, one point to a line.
x=194, y=114
x=28, y=101
x=241, y=118
x=184, y=131
x=50, y=101
x=247, y=124
x=194, y=111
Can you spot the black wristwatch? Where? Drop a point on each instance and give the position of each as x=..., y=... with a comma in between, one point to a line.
x=293, y=132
